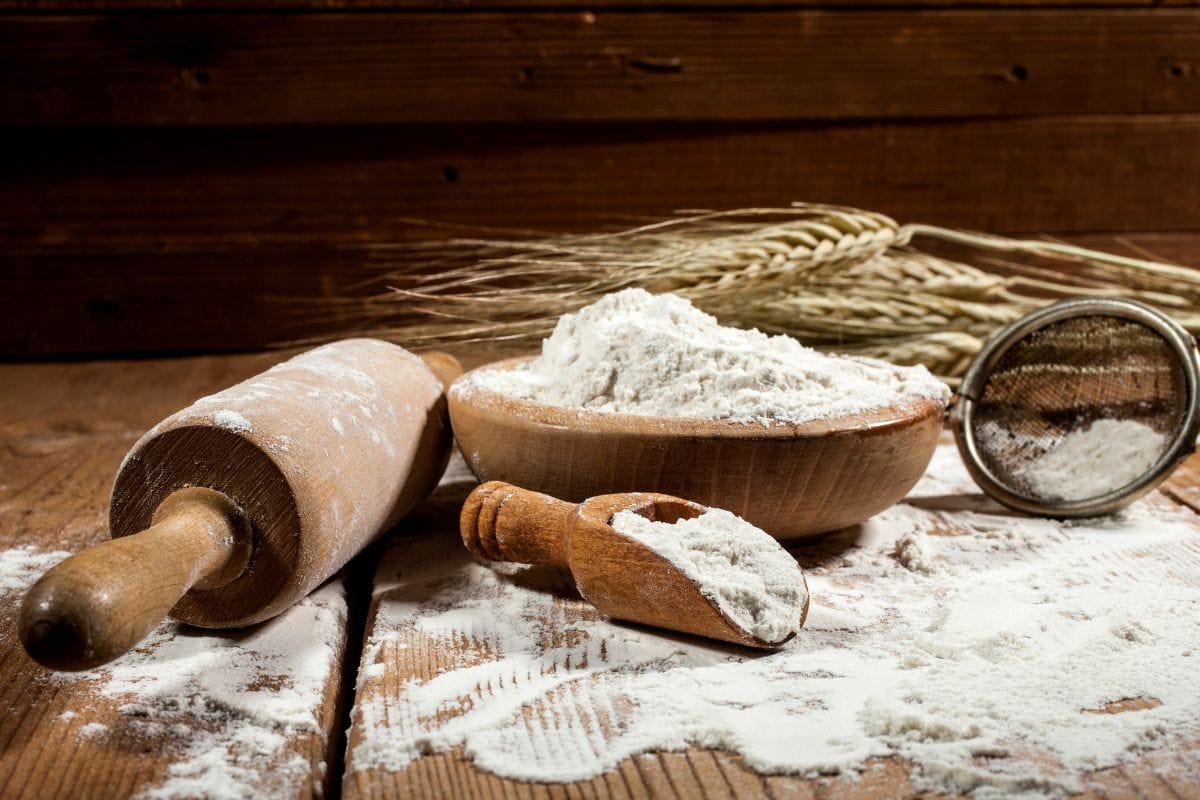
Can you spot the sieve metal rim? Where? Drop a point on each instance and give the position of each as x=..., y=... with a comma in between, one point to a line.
x=977, y=375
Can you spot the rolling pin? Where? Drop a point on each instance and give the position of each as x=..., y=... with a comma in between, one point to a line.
x=622, y=577
x=233, y=509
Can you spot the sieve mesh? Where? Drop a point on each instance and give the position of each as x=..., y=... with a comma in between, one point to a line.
x=1064, y=377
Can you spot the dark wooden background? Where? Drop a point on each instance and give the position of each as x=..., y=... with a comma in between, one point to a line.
x=186, y=175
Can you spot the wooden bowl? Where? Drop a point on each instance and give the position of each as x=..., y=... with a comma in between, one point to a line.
x=790, y=480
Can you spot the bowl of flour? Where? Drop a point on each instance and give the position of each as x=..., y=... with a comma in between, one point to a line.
x=642, y=392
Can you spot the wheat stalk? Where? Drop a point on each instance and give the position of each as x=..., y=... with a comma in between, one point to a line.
x=833, y=277
x=947, y=354
x=517, y=289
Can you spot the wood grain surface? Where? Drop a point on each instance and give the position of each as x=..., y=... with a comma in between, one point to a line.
x=427, y=547
x=336, y=6
x=191, y=175
x=136, y=240
x=63, y=431
x=602, y=66
x=111, y=299
x=187, y=190
x=429, y=541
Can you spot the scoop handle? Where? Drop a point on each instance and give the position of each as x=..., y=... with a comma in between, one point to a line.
x=501, y=522
x=98, y=604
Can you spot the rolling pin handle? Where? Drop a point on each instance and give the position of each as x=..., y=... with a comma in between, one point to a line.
x=501, y=522
x=100, y=603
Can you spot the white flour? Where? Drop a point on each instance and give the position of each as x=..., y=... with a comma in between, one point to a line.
x=913, y=550
x=20, y=567
x=232, y=421
x=742, y=569
x=984, y=675
x=223, y=707
x=1095, y=460
x=251, y=692
x=636, y=353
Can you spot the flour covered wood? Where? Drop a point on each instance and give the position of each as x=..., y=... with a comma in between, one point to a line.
x=983, y=659
x=227, y=710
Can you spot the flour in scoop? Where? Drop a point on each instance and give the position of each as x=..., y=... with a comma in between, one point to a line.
x=637, y=353
x=742, y=569
x=1095, y=460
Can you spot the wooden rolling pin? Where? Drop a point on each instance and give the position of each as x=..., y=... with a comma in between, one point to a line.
x=228, y=512
x=620, y=576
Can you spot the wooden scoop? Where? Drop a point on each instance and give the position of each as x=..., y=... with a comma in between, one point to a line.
x=231, y=510
x=619, y=575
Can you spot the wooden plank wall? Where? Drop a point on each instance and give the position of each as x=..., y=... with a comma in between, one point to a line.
x=193, y=174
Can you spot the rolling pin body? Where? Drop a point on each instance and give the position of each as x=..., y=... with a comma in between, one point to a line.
x=316, y=457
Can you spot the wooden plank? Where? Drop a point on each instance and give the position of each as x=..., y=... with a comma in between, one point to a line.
x=336, y=6
x=59, y=303
x=234, y=69
x=424, y=558
x=63, y=430
x=1184, y=484
x=63, y=427
x=164, y=302
x=194, y=189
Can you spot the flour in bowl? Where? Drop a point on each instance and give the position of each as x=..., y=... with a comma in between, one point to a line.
x=750, y=577
x=636, y=353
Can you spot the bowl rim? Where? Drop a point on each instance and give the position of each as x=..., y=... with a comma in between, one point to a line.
x=912, y=409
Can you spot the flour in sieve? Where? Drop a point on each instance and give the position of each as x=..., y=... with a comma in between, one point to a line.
x=636, y=353
x=1095, y=460
x=742, y=569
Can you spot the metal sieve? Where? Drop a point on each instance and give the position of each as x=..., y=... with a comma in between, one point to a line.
x=1061, y=369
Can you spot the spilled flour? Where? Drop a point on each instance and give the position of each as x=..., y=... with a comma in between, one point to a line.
x=20, y=567
x=742, y=569
x=1095, y=460
x=636, y=353
x=985, y=673
x=914, y=550
x=226, y=710
x=252, y=692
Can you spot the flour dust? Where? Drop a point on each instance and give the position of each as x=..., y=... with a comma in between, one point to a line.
x=225, y=709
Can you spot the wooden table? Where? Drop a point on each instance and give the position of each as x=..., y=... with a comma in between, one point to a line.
x=63, y=430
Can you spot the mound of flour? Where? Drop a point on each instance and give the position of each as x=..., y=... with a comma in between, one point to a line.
x=748, y=574
x=637, y=353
